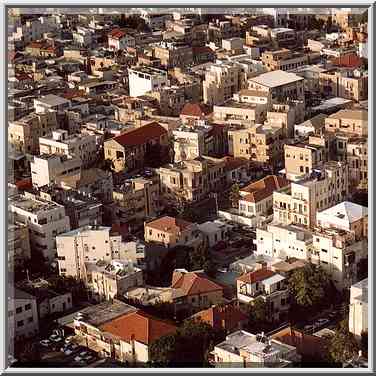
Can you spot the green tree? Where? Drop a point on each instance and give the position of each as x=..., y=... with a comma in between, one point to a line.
x=259, y=319
x=234, y=195
x=342, y=345
x=163, y=351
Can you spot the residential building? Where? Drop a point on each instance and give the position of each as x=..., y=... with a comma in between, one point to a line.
x=234, y=45
x=191, y=180
x=46, y=168
x=173, y=54
x=269, y=286
x=214, y=232
x=107, y=280
x=358, y=312
x=23, y=134
x=192, y=113
x=19, y=252
x=283, y=59
x=357, y=159
x=256, y=199
x=87, y=244
x=300, y=202
x=245, y=350
x=120, y=40
x=172, y=232
x=44, y=219
x=194, y=291
x=129, y=150
x=51, y=102
x=155, y=21
x=22, y=316
x=283, y=37
x=315, y=125
x=81, y=146
x=144, y=79
x=350, y=122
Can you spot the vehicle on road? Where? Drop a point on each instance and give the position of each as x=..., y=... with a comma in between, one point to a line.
x=72, y=349
x=322, y=322
x=309, y=328
x=55, y=338
x=45, y=343
x=81, y=356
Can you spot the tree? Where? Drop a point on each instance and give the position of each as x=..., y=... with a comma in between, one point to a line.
x=342, y=345
x=259, y=315
x=308, y=285
x=235, y=195
x=163, y=350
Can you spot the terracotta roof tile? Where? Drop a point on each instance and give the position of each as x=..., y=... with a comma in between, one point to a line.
x=116, y=34
x=348, y=60
x=263, y=188
x=169, y=224
x=140, y=326
x=256, y=276
x=140, y=136
x=195, y=109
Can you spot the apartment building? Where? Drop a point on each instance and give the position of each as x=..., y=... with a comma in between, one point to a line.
x=137, y=199
x=245, y=350
x=262, y=144
x=233, y=45
x=358, y=312
x=18, y=245
x=189, y=143
x=214, y=232
x=44, y=219
x=313, y=126
x=279, y=84
x=22, y=316
x=301, y=159
x=344, y=83
x=173, y=54
x=171, y=99
x=120, y=40
x=81, y=146
x=144, y=79
x=128, y=151
x=23, y=134
x=46, y=168
x=357, y=159
x=107, y=280
x=90, y=244
x=192, y=180
x=300, y=202
x=283, y=59
x=256, y=199
x=253, y=96
x=349, y=122
x=50, y=102
x=283, y=37
x=221, y=83
x=268, y=285
x=172, y=231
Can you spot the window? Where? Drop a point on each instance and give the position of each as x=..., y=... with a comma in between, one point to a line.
x=27, y=307
x=19, y=310
x=10, y=313
x=20, y=323
x=30, y=319
x=324, y=250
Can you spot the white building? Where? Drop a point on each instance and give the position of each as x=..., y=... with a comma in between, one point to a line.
x=144, y=79
x=46, y=168
x=30, y=31
x=83, y=37
x=45, y=219
x=22, y=316
x=119, y=40
x=82, y=146
x=246, y=350
x=214, y=231
x=358, y=313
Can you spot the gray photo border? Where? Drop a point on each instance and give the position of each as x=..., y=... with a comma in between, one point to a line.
x=72, y=6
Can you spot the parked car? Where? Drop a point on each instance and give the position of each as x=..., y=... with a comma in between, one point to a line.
x=81, y=356
x=72, y=349
x=308, y=328
x=321, y=322
x=45, y=342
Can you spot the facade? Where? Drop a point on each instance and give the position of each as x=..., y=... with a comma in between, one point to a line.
x=51, y=102
x=214, y=232
x=120, y=40
x=82, y=146
x=358, y=312
x=283, y=59
x=357, y=159
x=144, y=79
x=350, y=122
x=174, y=54
x=18, y=245
x=44, y=219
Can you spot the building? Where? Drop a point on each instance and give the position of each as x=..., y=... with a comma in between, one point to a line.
x=256, y=199
x=284, y=60
x=279, y=84
x=358, y=312
x=19, y=252
x=214, y=232
x=357, y=159
x=191, y=180
x=144, y=79
x=269, y=286
x=51, y=102
x=194, y=112
x=173, y=54
x=172, y=232
x=350, y=122
x=107, y=280
x=81, y=146
x=23, y=134
x=245, y=350
x=46, y=168
x=87, y=244
x=44, y=219
x=300, y=202
x=194, y=291
x=315, y=125
x=226, y=317
x=23, y=320
x=120, y=40
x=128, y=151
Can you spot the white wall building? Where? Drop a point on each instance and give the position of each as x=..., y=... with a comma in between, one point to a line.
x=358, y=313
x=144, y=79
x=51, y=102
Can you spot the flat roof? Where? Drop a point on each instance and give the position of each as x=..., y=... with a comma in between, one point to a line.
x=276, y=78
x=52, y=100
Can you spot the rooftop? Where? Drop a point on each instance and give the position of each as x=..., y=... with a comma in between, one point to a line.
x=276, y=78
x=52, y=100
x=169, y=224
x=351, y=114
x=345, y=211
x=33, y=205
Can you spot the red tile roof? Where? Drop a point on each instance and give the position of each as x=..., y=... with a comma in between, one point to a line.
x=256, y=276
x=202, y=50
x=263, y=188
x=138, y=326
x=195, y=109
x=116, y=34
x=348, y=61
x=169, y=224
x=142, y=135
x=193, y=283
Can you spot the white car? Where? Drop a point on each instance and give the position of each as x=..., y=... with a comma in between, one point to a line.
x=55, y=338
x=68, y=339
x=45, y=342
x=71, y=349
x=80, y=357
